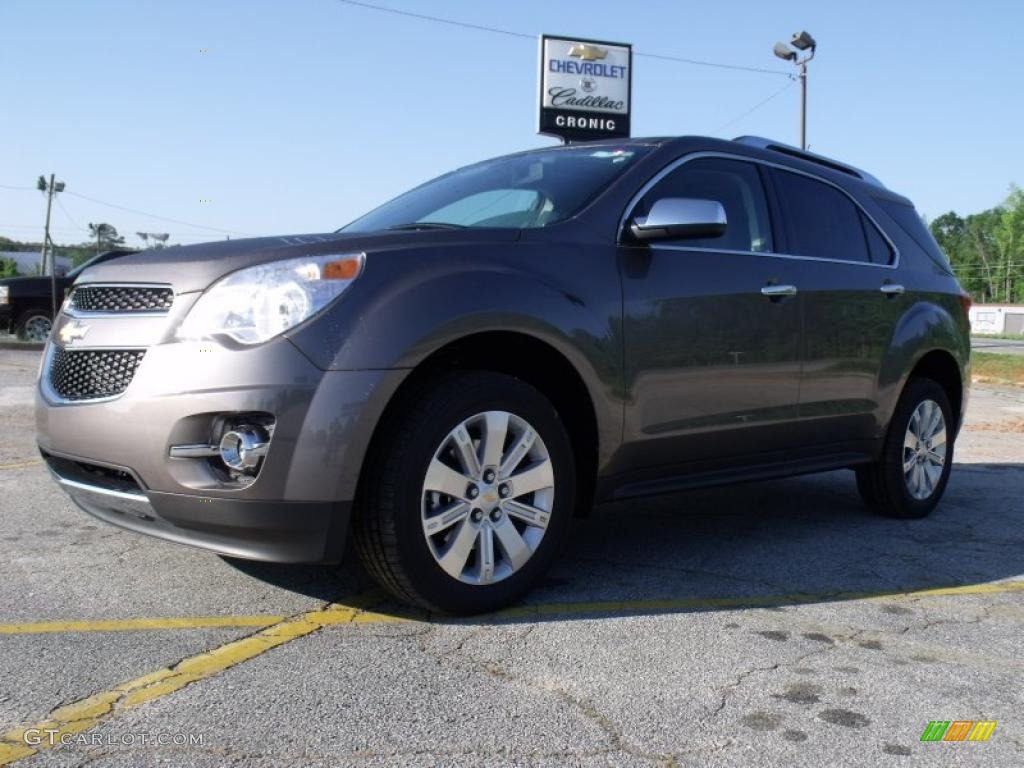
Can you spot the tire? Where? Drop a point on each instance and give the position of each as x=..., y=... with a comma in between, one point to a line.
x=34, y=325
x=885, y=486
x=394, y=506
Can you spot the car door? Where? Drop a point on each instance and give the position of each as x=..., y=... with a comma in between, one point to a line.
x=851, y=304
x=712, y=363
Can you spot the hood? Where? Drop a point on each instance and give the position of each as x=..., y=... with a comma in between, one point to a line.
x=195, y=267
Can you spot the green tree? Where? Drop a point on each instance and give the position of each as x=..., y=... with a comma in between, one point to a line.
x=986, y=249
x=8, y=268
x=1008, y=234
x=106, y=236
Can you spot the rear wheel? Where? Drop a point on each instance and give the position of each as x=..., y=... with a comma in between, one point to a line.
x=467, y=493
x=911, y=475
x=34, y=325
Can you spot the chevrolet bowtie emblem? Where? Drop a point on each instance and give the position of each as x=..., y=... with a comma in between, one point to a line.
x=587, y=52
x=73, y=331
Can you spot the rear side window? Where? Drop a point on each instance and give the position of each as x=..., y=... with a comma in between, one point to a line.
x=913, y=225
x=736, y=185
x=878, y=246
x=824, y=222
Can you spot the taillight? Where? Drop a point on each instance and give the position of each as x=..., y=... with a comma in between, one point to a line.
x=965, y=302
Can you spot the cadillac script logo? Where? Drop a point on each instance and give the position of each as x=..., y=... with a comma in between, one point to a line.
x=72, y=332
x=584, y=88
x=587, y=52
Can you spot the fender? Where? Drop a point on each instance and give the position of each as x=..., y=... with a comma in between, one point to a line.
x=409, y=304
x=926, y=326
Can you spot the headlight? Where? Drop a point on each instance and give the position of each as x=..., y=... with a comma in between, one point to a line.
x=258, y=303
x=3, y=294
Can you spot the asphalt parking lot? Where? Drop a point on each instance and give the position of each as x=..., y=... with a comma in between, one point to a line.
x=768, y=624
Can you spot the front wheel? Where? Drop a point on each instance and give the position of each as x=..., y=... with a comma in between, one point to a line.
x=34, y=325
x=910, y=477
x=466, y=494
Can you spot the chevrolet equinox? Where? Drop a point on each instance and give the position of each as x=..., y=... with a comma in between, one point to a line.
x=459, y=372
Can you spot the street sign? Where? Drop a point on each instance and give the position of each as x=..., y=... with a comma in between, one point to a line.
x=585, y=88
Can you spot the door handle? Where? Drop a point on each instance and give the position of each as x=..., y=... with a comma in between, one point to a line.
x=891, y=289
x=778, y=291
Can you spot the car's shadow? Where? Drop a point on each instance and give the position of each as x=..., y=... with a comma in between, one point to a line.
x=769, y=544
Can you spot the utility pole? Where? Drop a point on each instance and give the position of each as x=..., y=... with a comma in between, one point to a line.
x=803, y=102
x=51, y=189
x=803, y=42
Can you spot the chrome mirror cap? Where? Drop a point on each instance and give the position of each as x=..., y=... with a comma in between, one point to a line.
x=680, y=217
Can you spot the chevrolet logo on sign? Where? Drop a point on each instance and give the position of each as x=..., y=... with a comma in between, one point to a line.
x=72, y=332
x=587, y=52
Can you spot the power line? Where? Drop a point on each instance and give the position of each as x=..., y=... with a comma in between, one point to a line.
x=754, y=108
x=155, y=216
x=68, y=215
x=8, y=186
x=140, y=213
x=512, y=33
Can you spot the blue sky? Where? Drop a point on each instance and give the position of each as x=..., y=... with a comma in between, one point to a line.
x=308, y=112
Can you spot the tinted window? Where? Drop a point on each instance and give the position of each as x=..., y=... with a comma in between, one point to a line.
x=733, y=183
x=824, y=222
x=531, y=189
x=913, y=225
x=878, y=248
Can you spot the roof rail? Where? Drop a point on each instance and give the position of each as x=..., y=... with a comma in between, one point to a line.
x=786, y=149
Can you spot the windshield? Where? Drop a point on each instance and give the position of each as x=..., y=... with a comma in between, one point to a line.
x=523, y=191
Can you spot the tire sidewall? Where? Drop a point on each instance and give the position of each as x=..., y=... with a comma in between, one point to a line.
x=503, y=393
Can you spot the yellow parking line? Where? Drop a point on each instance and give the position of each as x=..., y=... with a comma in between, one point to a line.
x=21, y=464
x=125, y=625
x=657, y=605
x=666, y=605
x=89, y=712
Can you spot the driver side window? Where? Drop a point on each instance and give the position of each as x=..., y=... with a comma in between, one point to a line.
x=736, y=185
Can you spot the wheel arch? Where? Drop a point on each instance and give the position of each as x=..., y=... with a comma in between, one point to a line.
x=927, y=341
x=940, y=366
x=528, y=358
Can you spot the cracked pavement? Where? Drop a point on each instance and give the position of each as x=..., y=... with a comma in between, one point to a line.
x=767, y=624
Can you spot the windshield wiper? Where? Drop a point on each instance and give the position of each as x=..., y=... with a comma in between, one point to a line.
x=427, y=225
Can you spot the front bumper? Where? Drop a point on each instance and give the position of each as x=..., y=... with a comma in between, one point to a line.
x=296, y=509
x=277, y=531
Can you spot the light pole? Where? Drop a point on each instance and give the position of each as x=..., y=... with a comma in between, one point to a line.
x=51, y=189
x=803, y=42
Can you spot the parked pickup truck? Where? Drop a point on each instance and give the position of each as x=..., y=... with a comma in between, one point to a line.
x=26, y=303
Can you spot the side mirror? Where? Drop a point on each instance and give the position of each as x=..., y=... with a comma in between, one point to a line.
x=680, y=217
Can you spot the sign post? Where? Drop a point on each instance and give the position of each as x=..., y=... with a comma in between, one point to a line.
x=585, y=88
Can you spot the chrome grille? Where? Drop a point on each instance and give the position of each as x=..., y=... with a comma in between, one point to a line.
x=90, y=374
x=122, y=298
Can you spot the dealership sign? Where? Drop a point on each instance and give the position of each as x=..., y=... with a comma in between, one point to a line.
x=584, y=88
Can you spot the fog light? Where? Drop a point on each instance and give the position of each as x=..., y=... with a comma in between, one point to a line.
x=243, y=448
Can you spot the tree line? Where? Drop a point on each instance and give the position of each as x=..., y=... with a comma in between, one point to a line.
x=986, y=250
x=105, y=238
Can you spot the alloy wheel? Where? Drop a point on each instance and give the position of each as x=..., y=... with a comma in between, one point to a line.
x=924, y=450
x=487, y=497
x=37, y=328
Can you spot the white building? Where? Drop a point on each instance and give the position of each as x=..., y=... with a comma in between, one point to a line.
x=28, y=261
x=997, y=318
